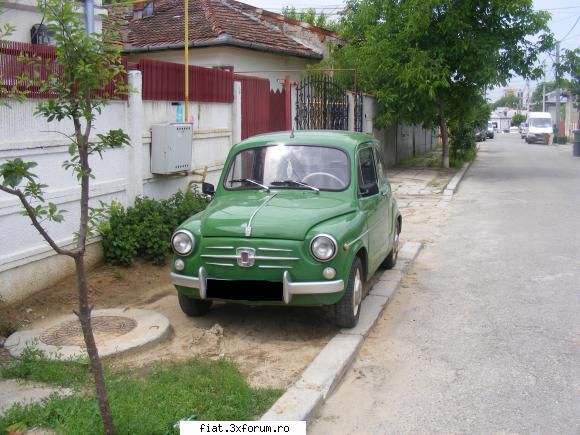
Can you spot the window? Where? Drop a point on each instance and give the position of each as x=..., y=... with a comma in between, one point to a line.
x=367, y=176
x=285, y=166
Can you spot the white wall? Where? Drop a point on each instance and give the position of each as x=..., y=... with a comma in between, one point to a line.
x=241, y=59
x=23, y=14
x=27, y=263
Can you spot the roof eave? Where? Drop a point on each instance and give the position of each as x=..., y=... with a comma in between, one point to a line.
x=229, y=41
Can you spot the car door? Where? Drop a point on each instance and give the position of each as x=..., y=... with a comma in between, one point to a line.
x=385, y=206
x=370, y=203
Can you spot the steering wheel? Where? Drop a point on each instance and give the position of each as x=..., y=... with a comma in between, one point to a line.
x=325, y=174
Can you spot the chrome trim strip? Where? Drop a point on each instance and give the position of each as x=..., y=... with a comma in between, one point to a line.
x=248, y=230
x=219, y=247
x=309, y=288
x=257, y=257
x=274, y=250
x=358, y=238
x=221, y=264
x=274, y=267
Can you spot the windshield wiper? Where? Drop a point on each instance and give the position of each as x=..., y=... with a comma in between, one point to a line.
x=247, y=180
x=295, y=183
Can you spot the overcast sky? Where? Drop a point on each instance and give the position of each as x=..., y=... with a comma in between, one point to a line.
x=565, y=13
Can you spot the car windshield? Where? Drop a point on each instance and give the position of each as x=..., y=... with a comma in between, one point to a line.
x=540, y=122
x=289, y=167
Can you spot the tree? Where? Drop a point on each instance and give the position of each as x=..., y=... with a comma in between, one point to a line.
x=309, y=16
x=85, y=65
x=536, y=101
x=419, y=57
x=510, y=101
x=518, y=118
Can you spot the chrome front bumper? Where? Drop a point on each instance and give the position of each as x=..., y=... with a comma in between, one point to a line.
x=289, y=288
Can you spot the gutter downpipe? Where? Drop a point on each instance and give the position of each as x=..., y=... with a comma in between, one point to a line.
x=90, y=17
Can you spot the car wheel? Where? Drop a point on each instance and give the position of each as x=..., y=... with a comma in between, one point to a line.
x=347, y=310
x=391, y=259
x=193, y=307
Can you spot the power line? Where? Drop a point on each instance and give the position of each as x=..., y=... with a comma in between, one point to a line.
x=570, y=31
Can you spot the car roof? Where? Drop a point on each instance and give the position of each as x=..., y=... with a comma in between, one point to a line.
x=346, y=140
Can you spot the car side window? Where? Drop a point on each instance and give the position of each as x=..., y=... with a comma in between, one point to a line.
x=381, y=169
x=367, y=176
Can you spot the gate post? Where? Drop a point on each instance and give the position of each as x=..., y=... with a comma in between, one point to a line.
x=287, y=103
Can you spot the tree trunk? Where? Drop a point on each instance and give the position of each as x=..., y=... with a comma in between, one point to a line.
x=443, y=127
x=84, y=316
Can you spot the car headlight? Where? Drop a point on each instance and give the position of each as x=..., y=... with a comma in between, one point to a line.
x=183, y=242
x=323, y=247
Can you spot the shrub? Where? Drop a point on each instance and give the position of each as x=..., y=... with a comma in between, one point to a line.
x=145, y=229
x=463, y=145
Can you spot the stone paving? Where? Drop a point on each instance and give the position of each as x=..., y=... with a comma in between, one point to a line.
x=419, y=192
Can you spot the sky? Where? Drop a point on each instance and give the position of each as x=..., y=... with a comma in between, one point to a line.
x=565, y=13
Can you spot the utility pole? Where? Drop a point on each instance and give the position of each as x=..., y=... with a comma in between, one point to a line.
x=557, y=129
x=544, y=97
x=89, y=6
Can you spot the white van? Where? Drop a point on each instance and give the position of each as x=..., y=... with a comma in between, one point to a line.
x=539, y=128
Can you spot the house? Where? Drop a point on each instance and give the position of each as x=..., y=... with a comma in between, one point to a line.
x=29, y=23
x=225, y=34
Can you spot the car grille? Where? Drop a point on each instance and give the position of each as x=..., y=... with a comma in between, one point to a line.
x=262, y=258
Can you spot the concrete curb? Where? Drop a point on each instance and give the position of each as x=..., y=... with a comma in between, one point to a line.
x=453, y=185
x=301, y=401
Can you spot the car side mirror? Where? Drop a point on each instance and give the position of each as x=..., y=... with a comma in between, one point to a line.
x=208, y=188
x=369, y=189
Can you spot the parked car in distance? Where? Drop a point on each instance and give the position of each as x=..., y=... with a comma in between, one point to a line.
x=297, y=218
x=480, y=134
x=490, y=130
x=523, y=129
x=539, y=127
x=514, y=129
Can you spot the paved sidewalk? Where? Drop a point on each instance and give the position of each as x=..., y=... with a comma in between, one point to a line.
x=419, y=192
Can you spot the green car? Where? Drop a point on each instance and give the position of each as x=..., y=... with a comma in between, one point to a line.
x=298, y=218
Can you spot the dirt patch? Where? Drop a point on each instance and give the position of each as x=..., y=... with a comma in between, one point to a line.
x=271, y=345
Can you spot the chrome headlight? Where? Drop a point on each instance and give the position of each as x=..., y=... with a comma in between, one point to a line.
x=183, y=242
x=323, y=247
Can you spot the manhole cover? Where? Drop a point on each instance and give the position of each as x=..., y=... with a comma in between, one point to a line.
x=104, y=328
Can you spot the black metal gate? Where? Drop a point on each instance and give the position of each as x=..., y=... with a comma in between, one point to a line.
x=321, y=103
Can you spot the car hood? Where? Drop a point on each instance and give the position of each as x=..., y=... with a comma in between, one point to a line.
x=284, y=214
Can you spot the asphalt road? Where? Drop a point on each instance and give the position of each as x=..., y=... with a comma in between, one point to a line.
x=484, y=335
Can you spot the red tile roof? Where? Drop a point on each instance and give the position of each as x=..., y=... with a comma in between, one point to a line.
x=211, y=22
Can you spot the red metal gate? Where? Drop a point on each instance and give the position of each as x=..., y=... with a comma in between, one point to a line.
x=263, y=110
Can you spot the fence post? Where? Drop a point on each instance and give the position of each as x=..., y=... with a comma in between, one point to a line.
x=287, y=103
x=135, y=117
x=237, y=113
x=351, y=112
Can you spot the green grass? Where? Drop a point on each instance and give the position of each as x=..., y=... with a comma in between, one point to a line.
x=146, y=404
x=431, y=159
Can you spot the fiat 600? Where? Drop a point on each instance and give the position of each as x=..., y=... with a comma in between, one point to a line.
x=298, y=218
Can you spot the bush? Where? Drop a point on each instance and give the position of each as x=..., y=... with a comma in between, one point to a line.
x=145, y=229
x=462, y=145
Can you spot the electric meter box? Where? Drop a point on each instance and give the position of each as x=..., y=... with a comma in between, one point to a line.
x=171, y=147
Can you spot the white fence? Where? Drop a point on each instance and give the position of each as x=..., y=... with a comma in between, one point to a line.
x=27, y=263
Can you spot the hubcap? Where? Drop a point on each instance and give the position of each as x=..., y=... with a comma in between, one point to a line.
x=357, y=292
